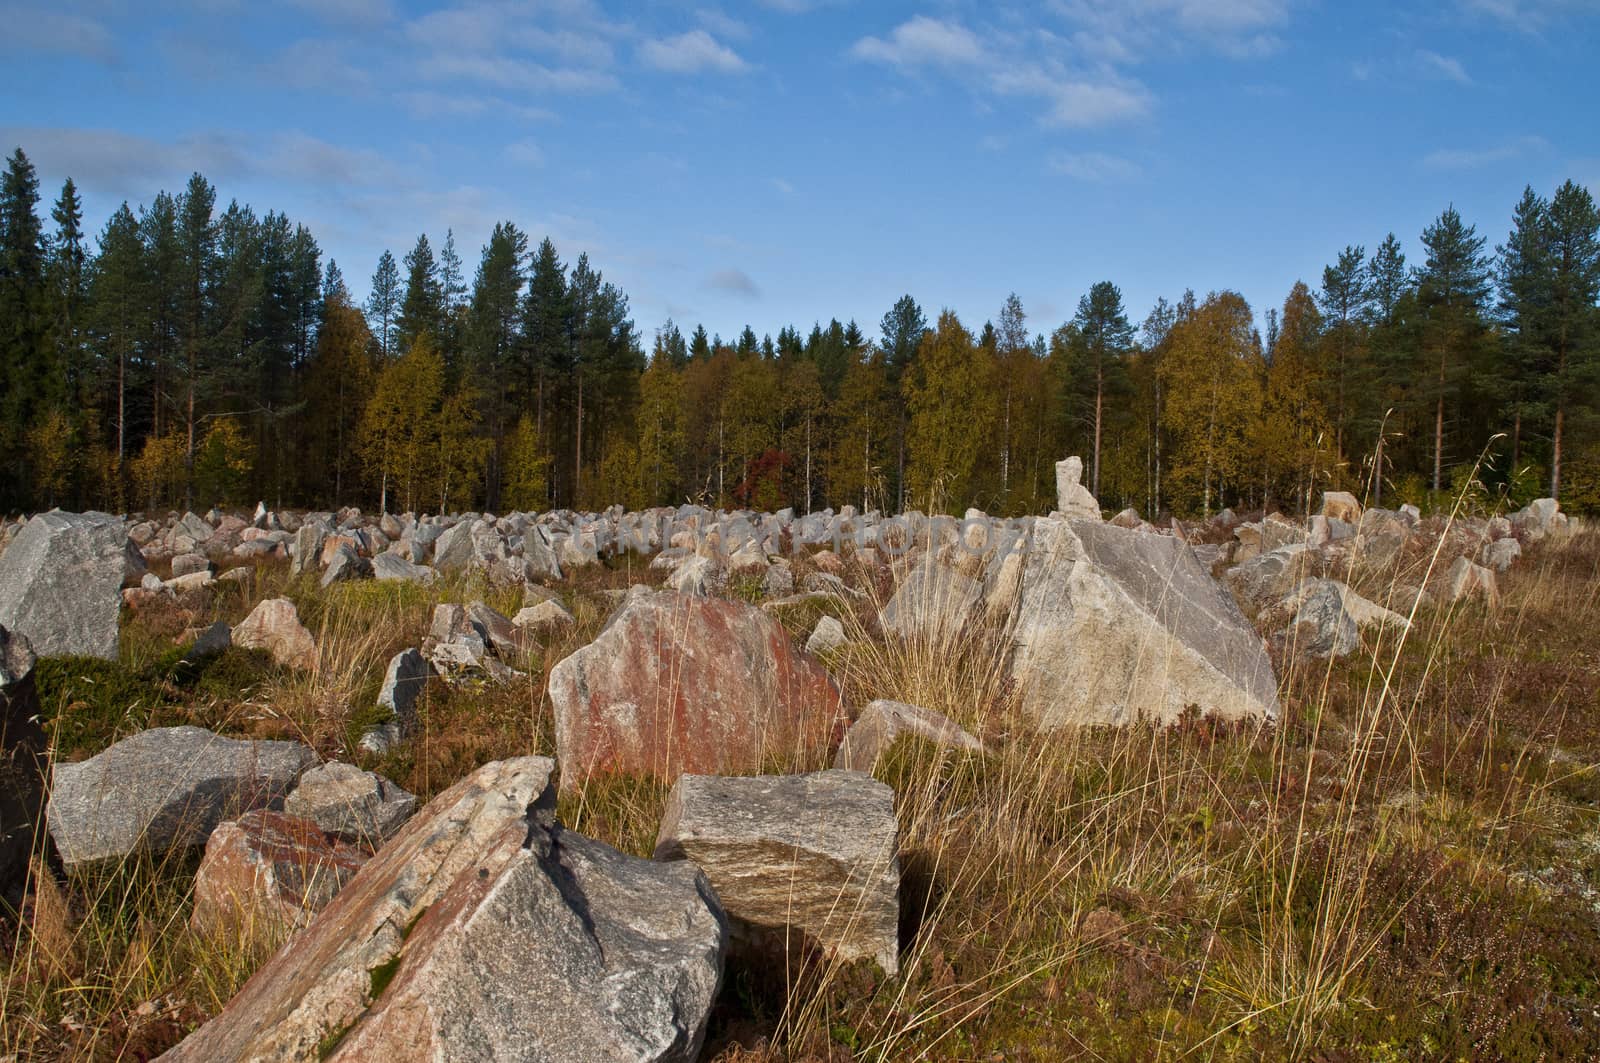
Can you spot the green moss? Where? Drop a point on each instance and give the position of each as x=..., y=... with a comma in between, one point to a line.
x=383, y=974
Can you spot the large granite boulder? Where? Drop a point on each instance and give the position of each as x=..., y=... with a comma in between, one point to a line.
x=165, y=789
x=1116, y=625
x=675, y=683
x=61, y=584
x=792, y=855
x=391, y=567
x=268, y=872
x=23, y=766
x=481, y=909
x=274, y=625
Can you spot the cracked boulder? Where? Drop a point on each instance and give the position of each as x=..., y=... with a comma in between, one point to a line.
x=481, y=909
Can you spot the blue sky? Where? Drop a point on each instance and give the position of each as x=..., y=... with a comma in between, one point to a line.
x=786, y=161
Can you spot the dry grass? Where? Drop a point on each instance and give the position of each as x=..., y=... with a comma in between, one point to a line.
x=1405, y=867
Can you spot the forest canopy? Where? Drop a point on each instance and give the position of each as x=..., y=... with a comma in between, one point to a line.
x=192, y=354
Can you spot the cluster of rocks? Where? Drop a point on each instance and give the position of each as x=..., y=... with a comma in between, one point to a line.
x=422, y=933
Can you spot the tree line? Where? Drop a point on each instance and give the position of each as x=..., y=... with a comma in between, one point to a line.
x=193, y=354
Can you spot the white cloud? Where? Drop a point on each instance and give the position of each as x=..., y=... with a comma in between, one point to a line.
x=1076, y=101
x=722, y=24
x=49, y=31
x=1442, y=66
x=369, y=14
x=693, y=52
x=1095, y=166
x=1477, y=158
x=922, y=41
x=515, y=74
x=525, y=153
x=427, y=105
x=734, y=281
x=783, y=186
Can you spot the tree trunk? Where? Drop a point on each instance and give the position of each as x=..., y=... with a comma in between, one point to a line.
x=1555, y=453
x=1099, y=403
x=1438, y=433
x=577, y=460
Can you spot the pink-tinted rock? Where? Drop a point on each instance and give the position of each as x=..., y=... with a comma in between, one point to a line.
x=269, y=870
x=678, y=684
x=274, y=625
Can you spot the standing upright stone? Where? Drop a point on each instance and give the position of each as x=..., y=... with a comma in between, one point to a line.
x=1072, y=498
x=61, y=584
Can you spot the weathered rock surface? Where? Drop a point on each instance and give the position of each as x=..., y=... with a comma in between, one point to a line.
x=674, y=684
x=268, y=871
x=542, y=616
x=883, y=721
x=1116, y=625
x=403, y=683
x=390, y=566
x=165, y=789
x=61, y=584
x=360, y=807
x=1341, y=505
x=809, y=853
x=1468, y=580
x=827, y=636
x=1499, y=554
x=23, y=766
x=274, y=625
x=934, y=603
x=481, y=909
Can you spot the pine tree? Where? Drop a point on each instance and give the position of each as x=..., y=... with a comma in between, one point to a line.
x=546, y=315
x=1343, y=301
x=383, y=305
x=1573, y=241
x=903, y=328
x=1107, y=336
x=422, y=308
x=197, y=235
x=117, y=298
x=1452, y=286
x=1523, y=275
x=24, y=337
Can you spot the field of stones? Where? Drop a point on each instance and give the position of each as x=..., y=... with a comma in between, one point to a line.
x=684, y=784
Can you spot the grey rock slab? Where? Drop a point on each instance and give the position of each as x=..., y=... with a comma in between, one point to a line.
x=61, y=584
x=165, y=789
x=390, y=566
x=814, y=854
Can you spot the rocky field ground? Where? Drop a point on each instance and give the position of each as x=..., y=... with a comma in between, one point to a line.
x=682, y=784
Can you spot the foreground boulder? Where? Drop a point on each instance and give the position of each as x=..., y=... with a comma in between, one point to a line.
x=22, y=766
x=274, y=625
x=165, y=789
x=1115, y=625
x=484, y=931
x=675, y=683
x=61, y=584
x=883, y=721
x=792, y=855
x=267, y=872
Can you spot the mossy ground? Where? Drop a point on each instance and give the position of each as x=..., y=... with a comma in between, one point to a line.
x=1407, y=866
